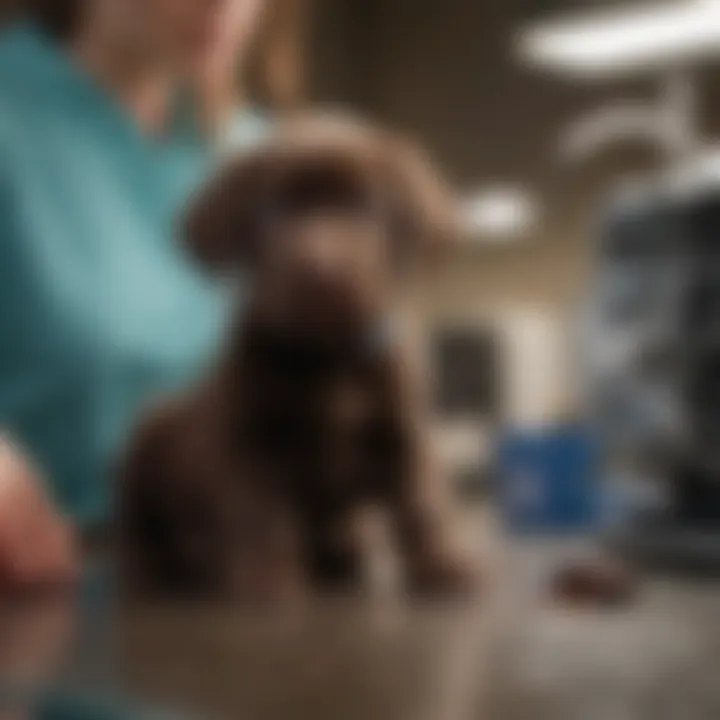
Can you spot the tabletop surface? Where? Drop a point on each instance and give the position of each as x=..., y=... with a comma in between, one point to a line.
x=510, y=655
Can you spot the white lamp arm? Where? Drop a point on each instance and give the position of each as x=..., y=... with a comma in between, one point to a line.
x=668, y=123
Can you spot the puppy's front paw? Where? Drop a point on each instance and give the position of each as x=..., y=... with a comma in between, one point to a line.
x=443, y=576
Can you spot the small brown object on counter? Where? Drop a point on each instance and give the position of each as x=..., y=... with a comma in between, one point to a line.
x=605, y=582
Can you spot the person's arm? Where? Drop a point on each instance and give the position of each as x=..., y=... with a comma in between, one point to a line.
x=36, y=544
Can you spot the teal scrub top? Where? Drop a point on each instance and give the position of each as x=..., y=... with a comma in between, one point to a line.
x=101, y=309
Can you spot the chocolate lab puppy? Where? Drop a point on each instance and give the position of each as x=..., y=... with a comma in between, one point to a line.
x=248, y=487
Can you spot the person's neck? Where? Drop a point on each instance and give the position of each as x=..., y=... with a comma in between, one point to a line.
x=144, y=88
x=217, y=100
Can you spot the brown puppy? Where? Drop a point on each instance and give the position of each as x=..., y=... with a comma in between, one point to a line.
x=248, y=486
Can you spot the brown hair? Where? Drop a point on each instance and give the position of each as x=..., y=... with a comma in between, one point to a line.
x=276, y=64
x=59, y=18
x=274, y=76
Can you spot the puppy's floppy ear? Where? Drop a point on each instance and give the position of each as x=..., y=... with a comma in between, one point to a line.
x=424, y=209
x=222, y=225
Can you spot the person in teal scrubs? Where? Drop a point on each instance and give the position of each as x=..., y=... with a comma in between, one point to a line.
x=107, y=125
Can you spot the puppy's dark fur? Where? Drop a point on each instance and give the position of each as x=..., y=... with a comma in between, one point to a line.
x=248, y=486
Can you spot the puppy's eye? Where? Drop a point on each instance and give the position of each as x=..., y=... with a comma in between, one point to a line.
x=325, y=188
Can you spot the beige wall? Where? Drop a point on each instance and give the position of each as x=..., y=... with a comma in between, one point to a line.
x=551, y=277
x=444, y=72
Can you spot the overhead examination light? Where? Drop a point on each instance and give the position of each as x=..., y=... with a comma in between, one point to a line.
x=623, y=42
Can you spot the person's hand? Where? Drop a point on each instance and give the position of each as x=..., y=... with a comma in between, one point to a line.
x=37, y=547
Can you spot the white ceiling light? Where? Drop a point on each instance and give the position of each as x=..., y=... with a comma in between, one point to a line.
x=611, y=44
x=499, y=214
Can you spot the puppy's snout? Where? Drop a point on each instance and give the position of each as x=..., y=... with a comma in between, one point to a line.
x=320, y=258
x=322, y=284
x=324, y=259
x=326, y=268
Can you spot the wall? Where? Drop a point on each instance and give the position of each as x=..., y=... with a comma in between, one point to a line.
x=445, y=72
